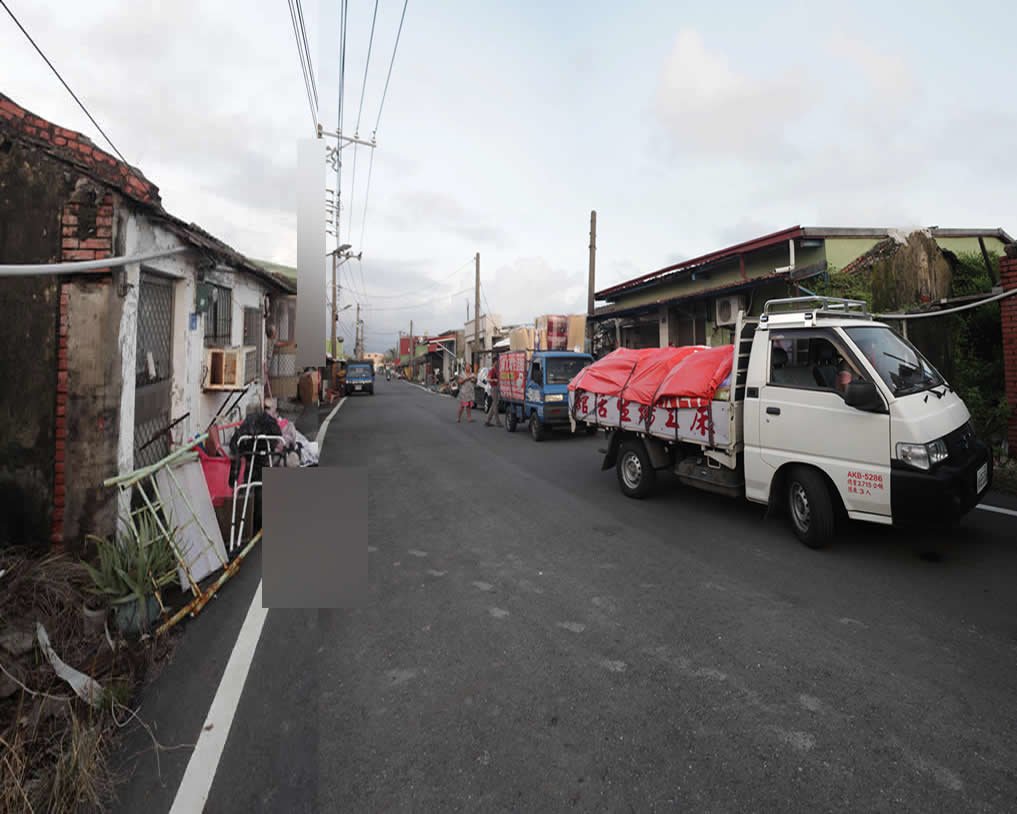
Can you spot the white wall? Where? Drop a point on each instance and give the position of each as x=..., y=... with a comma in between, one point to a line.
x=247, y=293
x=142, y=236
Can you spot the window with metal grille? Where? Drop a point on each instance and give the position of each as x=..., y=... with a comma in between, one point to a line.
x=253, y=333
x=219, y=318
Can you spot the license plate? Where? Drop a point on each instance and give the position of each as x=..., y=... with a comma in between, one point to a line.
x=358, y=387
x=983, y=478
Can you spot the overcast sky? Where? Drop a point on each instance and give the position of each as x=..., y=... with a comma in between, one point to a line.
x=687, y=126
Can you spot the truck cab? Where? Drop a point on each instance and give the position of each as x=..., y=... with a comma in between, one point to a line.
x=545, y=403
x=833, y=392
x=360, y=377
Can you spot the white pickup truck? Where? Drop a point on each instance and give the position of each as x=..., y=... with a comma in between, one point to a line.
x=827, y=413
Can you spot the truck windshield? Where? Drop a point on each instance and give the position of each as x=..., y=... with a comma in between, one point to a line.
x=562, y=370
x=898, y=362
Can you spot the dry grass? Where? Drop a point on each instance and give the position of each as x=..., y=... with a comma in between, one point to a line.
x=55, y=746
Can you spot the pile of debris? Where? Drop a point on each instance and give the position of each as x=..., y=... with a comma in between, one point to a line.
x=64, y=688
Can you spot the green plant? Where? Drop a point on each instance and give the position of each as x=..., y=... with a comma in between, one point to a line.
x=135, y=566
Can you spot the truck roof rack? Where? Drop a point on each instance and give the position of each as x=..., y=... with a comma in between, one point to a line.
x=819, y=306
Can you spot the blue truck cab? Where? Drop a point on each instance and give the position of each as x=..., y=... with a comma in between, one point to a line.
x=546, y=400
x=360, y=377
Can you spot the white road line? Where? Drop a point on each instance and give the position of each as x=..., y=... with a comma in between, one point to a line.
x=320, y=437
x=997, y=509
x=201, y=768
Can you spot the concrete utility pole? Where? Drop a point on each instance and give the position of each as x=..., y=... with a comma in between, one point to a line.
x=411, y=360
x=335, y=304
x=593, y=261
x=593, y=268
x=357, y=334
x=476, y=317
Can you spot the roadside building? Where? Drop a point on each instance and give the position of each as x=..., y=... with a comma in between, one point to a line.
x=102, y=368
x=479, y=351
x=697, y=300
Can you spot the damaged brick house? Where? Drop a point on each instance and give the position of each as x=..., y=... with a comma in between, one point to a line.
x=96, y=363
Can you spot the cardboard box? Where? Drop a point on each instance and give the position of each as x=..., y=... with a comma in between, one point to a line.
x=308, y=388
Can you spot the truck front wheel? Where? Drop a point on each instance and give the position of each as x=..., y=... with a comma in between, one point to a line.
x=810, y=507
x=537, y=430
x=636, y=474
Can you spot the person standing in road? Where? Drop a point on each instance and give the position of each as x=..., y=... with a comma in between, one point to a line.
x=467, y=391
x=492, y=409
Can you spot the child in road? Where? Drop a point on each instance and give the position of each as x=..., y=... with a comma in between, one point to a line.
x=466, y=394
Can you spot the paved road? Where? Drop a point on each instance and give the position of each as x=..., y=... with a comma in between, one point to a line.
x=536, y=642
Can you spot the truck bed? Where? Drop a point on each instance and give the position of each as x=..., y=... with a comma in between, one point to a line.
x=713, y=424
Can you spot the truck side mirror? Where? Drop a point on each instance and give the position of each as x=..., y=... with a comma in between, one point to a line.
x=863, y=396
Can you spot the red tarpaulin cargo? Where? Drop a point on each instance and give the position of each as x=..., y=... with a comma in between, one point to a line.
x=696, y=379
x=651, y=369
x=607, y=376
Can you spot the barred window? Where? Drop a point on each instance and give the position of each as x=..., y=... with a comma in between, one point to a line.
x=219, y=319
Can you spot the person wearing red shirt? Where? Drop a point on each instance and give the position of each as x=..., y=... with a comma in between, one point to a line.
x=492, y=410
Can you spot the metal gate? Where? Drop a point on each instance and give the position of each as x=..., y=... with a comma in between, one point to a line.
x=153, y=369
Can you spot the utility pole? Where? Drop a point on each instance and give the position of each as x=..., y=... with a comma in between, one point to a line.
x=476, y=317
x=335, y=303
x=356, y=334
x=593, y=267
x=410, y=359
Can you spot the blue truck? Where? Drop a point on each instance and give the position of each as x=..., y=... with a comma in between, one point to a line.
x=535, y=388
x=360, y=377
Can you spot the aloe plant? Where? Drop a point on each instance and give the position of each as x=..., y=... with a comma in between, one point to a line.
x=136, y=566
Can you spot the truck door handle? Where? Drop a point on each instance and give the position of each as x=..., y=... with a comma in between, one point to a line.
x=773, y=410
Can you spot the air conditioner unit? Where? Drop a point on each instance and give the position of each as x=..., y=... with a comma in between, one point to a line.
x=230, y=368
x=726, y=309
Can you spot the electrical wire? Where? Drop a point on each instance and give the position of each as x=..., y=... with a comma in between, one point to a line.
x=487, y=305
x=360, y=112
x=367, y=197
x=395, y=48
x=303, y=66
x=343, y=19
x=419, y=304
x=419, y=291
x=307, y=52
x=56, y=73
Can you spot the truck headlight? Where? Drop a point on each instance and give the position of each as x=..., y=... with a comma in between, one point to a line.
x=554, y=397
x=923, y=456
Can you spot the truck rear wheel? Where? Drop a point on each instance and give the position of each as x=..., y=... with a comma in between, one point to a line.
x=636, y=474
x=537, y=430
x=810, y=507
x=511, y=420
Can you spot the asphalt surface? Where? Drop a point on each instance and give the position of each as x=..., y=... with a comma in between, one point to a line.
x=537, y=642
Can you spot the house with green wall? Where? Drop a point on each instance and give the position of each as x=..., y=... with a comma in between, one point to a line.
x=696, y=301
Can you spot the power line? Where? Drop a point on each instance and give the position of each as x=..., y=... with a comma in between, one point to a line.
x=303, y=66
x=367, y=64
x=17, y=22
x=419, y=304
x=487, y=305
x=395, y=48
x=367, y=197
x=417, y=291
x=307, y=52
x=343, y=15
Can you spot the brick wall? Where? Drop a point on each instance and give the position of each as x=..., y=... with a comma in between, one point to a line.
x=77, y=150
x=86, y=227
x=1008, y=308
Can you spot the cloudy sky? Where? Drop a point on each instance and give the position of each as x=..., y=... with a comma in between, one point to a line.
x=687, y=126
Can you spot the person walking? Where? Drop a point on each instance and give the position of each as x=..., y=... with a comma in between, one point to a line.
x=492, y=409
x=467, y=390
